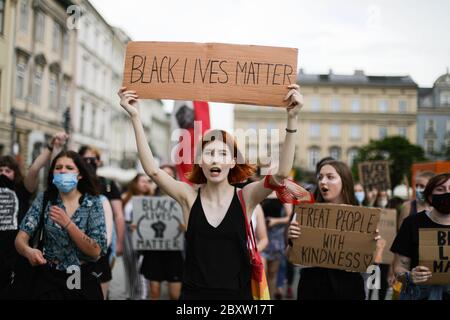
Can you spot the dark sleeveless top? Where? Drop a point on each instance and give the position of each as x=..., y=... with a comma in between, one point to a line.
x=217, y=262
x=413, y=209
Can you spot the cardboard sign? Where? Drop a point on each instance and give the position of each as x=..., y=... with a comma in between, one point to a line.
x=157, y=221
x=388, y=231
x=9, y=209
x=335, y=236
x=434, y=253
x=375, y=174
x=216, y=72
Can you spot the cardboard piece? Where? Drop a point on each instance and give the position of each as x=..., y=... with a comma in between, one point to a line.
x=434, y=253
x=335, y=236
x=242, y=74
x=375, y=175
x=157, y=221
x=388, y=231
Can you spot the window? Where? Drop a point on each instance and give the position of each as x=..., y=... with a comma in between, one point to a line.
x=314, y=130
x=448, y=126
x=93, y=120
x=37, y=84
x=84, y=69
x=53, y=90
x=20, y=76
x=315, y=104
x=445, y=98
x=430, y=146
x=335, y=153
x=40, y=26
x=2, y=16
x=403, y=131
x=356, y=105
x=383, y=106
x=352, y=154
x=355, y=132
x=382, y=132
x=24, y=15
x=335, y=131
x=64, y=94
x=86, y=32
x=335, y=105
x=56, y=37
x=82, y=112
x=430, y=125
x=402, y=106
x=314, y=157
x=66, y=46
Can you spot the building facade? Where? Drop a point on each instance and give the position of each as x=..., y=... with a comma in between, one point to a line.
x=433, y=119
x=43, y=62
x=341, y=113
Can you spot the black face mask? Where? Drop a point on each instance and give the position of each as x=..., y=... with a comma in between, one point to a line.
x=441, y=202
x=91, y=164
x=5, y=182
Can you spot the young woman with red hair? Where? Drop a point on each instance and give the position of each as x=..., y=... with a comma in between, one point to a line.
x=217, y=262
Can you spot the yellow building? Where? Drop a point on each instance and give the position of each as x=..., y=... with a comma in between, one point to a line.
x=341, y=113
x=42, y=76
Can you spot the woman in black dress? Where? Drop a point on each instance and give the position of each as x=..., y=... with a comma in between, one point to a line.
x=217, y=262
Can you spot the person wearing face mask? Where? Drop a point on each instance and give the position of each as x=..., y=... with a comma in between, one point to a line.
x=335, y=185
x=74, y=231
x=217, y=264
x=406, y=244
x=109, y=189
x=359, y=193
x=14, y=269
x=418, y=204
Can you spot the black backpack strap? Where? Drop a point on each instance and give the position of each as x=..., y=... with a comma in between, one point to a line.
x=39, y=235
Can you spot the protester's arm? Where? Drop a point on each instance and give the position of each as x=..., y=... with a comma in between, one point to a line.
x=31, y=180
x=175, y=189
x=262, y=239
x=255, y=192
x=119, y=221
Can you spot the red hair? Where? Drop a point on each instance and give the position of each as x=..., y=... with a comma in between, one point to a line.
x=241, y=171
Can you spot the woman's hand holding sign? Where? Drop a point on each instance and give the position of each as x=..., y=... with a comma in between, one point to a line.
x=129, y=101
x=296, y=100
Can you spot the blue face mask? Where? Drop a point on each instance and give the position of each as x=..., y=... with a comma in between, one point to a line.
x=419, y=195
x=65, y=182
x=359, y=195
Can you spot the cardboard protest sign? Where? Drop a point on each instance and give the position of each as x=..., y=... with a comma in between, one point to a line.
x=434, y=253
x=9, y=209
x=157, y=221
x=375, y=174
x=246, y=74
x=388, y=231
x=335, y=236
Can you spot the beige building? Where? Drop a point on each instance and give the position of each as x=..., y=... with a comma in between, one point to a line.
x=341, y=113
x=43, y=53
x=7, y=18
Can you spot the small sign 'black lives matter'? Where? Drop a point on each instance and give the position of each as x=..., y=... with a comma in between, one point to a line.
x=159, y=224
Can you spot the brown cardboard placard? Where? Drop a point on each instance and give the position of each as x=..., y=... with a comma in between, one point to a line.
x=230, y=73
x=388, y=231
x=335, y=236
x=375, y=174
x=434, y=253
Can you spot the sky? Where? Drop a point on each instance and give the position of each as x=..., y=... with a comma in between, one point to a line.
x=381, y=37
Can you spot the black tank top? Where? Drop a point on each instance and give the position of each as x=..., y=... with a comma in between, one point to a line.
x=217, y=259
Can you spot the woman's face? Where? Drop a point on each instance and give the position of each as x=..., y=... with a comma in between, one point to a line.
x=217, y=161
x=144, y=185
x=8, y=172
x=421, y=183
x=330, y=184
x=65, y=165
x=443, y=188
